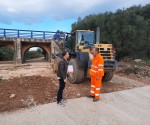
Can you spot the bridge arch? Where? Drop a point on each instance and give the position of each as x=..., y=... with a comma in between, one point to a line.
x=44, y=47
x=45, y=53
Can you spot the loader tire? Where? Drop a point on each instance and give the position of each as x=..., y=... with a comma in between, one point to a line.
x=78, y=74
x=107, y=76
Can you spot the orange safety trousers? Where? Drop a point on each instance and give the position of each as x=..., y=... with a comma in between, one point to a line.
x=95, y=87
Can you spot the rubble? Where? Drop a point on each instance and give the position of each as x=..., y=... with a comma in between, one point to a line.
x=138, y=60
x=12, y=96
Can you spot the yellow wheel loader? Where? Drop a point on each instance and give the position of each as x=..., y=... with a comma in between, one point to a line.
x=79, y=46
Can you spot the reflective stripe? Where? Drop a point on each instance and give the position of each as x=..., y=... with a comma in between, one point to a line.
x=93, y=70
x=93, y=86
x=100, y=65
x=97, y=94
x=100, y=70
x=94, y=66
x=97, y=88
x=92, y=92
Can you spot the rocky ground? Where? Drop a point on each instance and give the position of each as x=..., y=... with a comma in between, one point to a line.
x=137, y=70
x=35, y=83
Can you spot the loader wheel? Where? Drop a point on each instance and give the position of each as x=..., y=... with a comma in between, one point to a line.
x=78, y=74
x=107, y=76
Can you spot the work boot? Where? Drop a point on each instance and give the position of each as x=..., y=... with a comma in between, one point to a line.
x=89, y=96
x=95, y=100
x=61, y=104
x=64, y=100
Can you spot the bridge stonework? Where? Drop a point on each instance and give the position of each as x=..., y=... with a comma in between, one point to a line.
x=21, y=45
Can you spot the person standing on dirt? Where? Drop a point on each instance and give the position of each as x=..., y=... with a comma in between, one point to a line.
x=96, y=73
x=62, y=77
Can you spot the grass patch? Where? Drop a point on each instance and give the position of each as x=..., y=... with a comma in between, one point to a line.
x=147, y=61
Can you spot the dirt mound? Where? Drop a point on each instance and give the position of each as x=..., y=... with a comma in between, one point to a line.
x=26, y=92
x=29, y=91
x=136, y=68
x=139, y=71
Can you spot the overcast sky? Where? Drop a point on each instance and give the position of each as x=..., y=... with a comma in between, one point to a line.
x=51, y=15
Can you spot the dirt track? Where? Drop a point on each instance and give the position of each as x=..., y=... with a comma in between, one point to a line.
x=33, y=84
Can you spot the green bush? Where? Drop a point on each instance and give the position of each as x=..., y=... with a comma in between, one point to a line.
x=6, y=54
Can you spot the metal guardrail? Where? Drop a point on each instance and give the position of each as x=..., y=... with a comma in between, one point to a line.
x=32, y=34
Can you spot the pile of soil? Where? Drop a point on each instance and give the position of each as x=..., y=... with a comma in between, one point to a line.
x=28, y=91
x=25, y=92
x=139, y=71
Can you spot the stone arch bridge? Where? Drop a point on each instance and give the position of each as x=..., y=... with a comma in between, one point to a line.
x=22, y=40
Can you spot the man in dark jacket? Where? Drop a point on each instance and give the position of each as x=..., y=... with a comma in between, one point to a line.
x=62, y=77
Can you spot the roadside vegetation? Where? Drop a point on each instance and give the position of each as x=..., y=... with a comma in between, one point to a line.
x=6, y=54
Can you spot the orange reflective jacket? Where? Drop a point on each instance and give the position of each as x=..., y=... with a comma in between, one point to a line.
x=97, y=67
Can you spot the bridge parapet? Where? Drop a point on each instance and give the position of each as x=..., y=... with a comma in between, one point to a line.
x=30, y=34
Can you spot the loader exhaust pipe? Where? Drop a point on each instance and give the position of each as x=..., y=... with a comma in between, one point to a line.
x=97, y=35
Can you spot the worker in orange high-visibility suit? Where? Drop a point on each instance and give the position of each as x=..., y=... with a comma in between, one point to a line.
x=96, y=73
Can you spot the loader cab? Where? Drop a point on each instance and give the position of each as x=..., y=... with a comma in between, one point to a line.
x=79, y=39
x=84, y=37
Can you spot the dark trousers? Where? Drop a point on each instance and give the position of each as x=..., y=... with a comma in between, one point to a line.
x=60, y=90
